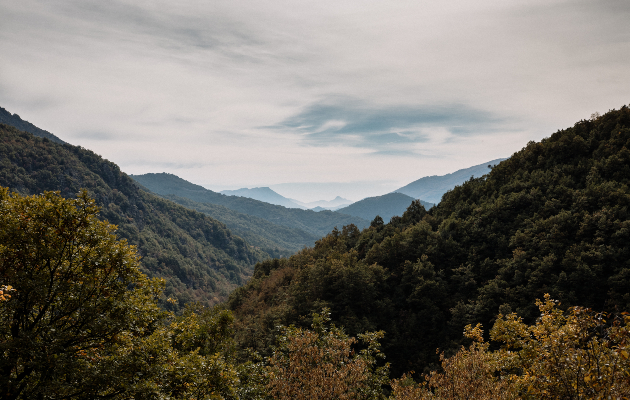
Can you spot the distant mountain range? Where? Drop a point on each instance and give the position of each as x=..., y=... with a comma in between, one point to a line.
x=264, y=194
x=432, y=188
x=270, y=196
x=385, y=206
x=429, y=190
x=306, y=225
x=320, y=205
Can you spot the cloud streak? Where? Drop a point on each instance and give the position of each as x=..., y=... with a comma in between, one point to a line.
x=384, y=130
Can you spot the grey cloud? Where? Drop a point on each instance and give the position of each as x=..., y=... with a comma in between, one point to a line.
x=387, y=129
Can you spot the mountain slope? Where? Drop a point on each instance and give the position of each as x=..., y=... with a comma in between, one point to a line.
x=385, y=206
x=275, y=240
x=17, y=122
x=197, y=255
x=311, y=222
x=263, y=194
x=432, y=188
x=553, y=218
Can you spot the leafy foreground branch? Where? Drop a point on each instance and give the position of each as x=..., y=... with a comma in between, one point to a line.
x=321, y=364
x=78, y=320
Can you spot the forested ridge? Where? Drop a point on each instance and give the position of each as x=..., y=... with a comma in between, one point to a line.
x=198, y=256
x=553, y=218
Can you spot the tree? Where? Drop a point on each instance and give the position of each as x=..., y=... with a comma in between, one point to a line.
x=577, y=354
x=469, y=374
x=78, y=320
x=76, y=288
x=321, y=364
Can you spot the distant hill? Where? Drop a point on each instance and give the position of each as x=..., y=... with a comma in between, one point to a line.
x=263, y=194
x=334, y=204
x=385, y=206
x=311, y=222
x=432, y=188
x=17, y=122
x=200, y=259
x=275, y=240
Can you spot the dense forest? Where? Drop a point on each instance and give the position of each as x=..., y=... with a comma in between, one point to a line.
x=79, y=320
x=199, y=257
x=514, y=286
x=553, y=218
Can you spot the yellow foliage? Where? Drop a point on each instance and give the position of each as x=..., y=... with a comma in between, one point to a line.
x=572, y=355
x=469, y=374
x=321, y=364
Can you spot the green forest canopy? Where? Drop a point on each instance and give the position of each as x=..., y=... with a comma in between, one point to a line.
x=553, y=219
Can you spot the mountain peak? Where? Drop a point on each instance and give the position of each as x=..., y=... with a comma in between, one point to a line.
x=265, y=194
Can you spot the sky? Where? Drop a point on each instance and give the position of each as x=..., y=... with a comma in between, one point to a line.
x=312, y=98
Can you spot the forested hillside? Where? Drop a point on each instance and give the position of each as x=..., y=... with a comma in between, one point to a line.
x=197, y=255
x=553, y=218
x=275, y=240
x=311, y=224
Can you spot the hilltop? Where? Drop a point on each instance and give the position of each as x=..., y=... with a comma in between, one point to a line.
x=432, y=188
x=17, y=122
x=385, y=206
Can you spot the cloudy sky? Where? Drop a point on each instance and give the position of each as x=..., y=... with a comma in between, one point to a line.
x=313, y=98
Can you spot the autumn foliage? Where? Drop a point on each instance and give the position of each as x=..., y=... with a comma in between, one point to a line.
x=577, y=354
x=322, y=364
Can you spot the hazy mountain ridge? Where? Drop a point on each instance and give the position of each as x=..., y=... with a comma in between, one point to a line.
x=385, y=206
x=332, y=205
x=432, y=188
x=263, y=194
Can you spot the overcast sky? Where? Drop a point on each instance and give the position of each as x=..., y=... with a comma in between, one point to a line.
x=360, y=97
